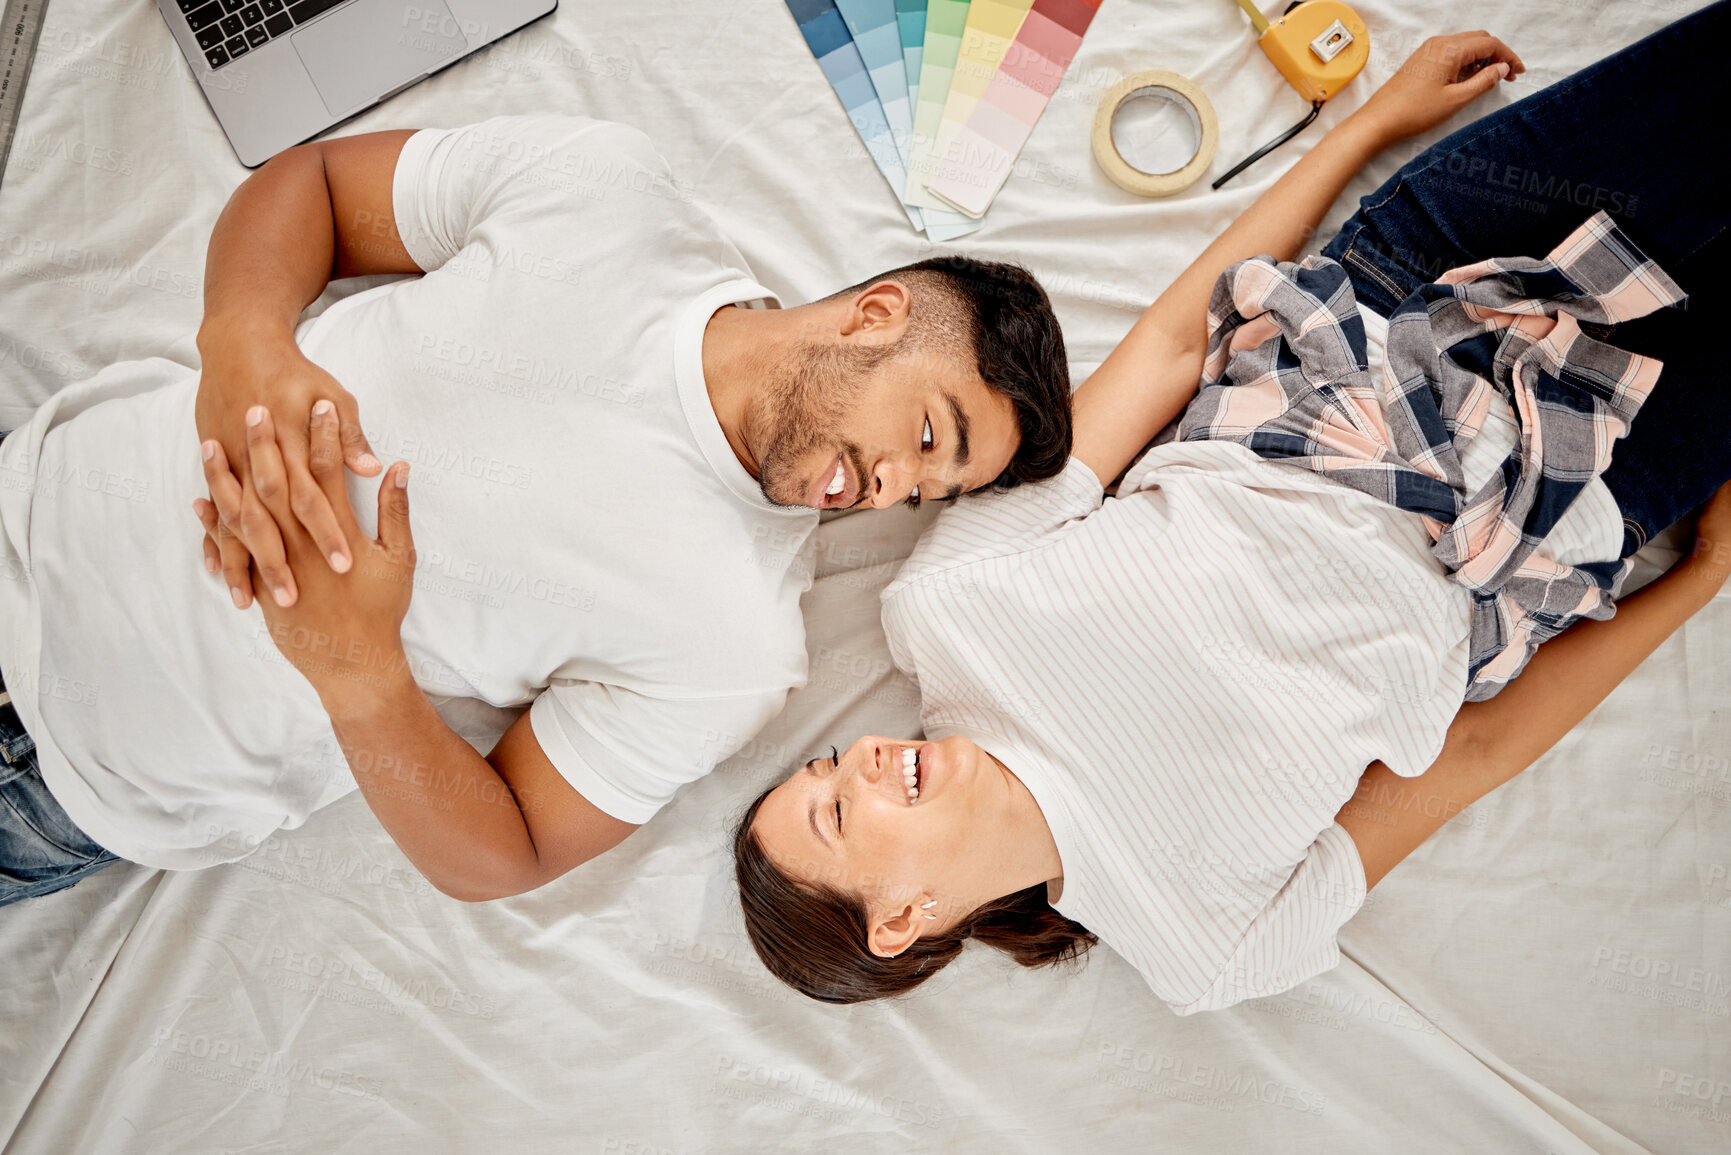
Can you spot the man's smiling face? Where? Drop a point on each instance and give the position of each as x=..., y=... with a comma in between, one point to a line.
x=868, y=414
x=856, y=424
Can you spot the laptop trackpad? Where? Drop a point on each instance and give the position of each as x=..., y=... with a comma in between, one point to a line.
x=359, y=53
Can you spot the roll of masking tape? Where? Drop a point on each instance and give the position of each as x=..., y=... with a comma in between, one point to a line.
x=1188, y=99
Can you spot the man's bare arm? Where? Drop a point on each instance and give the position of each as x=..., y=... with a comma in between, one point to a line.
x=1490, y=742
x=314, y=213
x=477, y=828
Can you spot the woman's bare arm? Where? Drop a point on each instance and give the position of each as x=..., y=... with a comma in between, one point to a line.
x=1154, y=371
x=1490, y=742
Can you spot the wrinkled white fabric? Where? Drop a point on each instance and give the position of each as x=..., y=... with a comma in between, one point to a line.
x=1547, y=974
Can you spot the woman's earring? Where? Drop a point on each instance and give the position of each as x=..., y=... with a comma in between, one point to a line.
x=933, y=917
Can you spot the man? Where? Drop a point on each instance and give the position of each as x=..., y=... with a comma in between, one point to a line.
x=615, y=474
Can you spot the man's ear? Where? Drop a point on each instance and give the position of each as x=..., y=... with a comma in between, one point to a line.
x=892, y=933
x=879, y=313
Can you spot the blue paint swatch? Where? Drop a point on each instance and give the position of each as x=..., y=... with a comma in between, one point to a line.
x=911, y=22
x=830, y=41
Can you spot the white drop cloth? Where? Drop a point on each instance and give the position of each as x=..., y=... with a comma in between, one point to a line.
x=1552, y=973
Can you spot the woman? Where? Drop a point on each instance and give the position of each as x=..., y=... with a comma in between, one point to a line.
x=1150, y=714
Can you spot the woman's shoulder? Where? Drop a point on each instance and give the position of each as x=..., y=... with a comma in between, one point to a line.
x=1221, y=461
x=1000, y=523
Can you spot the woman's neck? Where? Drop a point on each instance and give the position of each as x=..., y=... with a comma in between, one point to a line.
x=1030, y=850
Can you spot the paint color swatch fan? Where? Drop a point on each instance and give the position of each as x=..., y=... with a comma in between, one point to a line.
x=944, y=93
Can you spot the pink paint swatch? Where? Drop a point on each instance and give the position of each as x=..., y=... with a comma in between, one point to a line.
x=983, y=153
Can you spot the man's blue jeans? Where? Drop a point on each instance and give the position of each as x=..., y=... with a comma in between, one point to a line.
x=1644, y=135
x=41, y=850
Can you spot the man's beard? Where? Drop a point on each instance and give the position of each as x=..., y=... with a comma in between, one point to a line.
x=802, y=410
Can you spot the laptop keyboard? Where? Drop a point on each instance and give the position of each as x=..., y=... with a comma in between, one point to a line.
x=229, y=29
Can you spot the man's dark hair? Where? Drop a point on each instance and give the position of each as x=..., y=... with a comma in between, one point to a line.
x=1002, y=314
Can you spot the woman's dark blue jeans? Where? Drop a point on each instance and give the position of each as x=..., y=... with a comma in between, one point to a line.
x=1644, y=136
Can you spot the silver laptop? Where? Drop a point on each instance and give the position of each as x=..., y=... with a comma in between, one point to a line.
x=277, y=72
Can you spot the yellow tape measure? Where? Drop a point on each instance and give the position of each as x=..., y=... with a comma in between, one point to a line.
x=1318, y=46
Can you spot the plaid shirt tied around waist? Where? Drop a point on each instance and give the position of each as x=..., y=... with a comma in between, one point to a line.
x=1286, y=377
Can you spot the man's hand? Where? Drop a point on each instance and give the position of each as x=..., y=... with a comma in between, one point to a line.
x=310, y=214
x=1446, y=74
x=345, y=630
x=244, y=367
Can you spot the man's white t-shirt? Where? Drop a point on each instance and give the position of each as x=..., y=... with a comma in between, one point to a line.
x=1190, y=677
x=586, y=538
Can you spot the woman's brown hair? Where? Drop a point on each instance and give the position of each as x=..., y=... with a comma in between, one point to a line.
x=813, y=937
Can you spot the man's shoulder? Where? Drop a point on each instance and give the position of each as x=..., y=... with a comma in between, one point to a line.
x=537, y=138
x=723, y=576
x=577, y=160
x=755, y=579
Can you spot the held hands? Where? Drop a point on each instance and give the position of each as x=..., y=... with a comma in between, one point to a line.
x=344, y=631
x=243, y=365
x=1446, y=74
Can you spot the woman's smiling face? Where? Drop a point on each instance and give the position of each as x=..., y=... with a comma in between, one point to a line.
x=905, y=835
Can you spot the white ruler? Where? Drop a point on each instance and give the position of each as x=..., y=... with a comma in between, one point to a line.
x=17, y=51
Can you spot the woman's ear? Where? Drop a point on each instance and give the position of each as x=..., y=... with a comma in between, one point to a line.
x=894, y=932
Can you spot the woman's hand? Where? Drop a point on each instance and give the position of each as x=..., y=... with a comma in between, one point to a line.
x=243, y=366
x=1446, y=74
x=344, y=631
